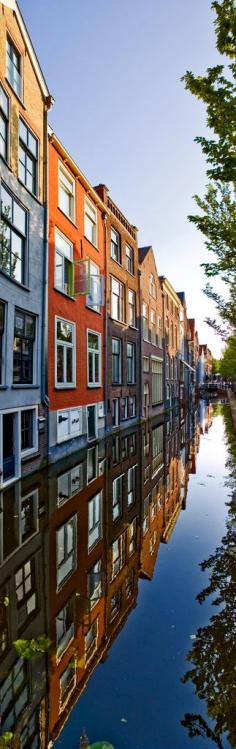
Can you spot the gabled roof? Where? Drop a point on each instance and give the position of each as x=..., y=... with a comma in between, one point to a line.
x=12, y=4
x=143, y=251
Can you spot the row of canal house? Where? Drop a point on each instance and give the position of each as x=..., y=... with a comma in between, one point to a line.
x=72, y=573
x=92, y=339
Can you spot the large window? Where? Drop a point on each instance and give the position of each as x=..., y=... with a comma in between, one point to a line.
x=131, y=308
x=118, y=555
x=157, y=381
x=4, y=123
x=146, y=363
x=66, y=550
x=94, y=583
x=25, y=586
x=117, y=300
x=67, y=681
x=132, y=536
x=153, y=326
x=94, y=358
x=12, y=236
x=28, y=157
x=94, y=520
x=131, y=485
x=116, y=361
x=91, y=640
x=145, y=321
x=132, y=406
x=124, y=408
x=95, y=288
x=152, y=286
x=28, y=429
x=129, y=257
x=130, y=363
x=14, y=695
x=90, y=222
x=14, y=68
x=65, y=353
x=23, y=348
x=115, y=246
x=2, y=326
x=65, y=627
x=117, y=486
x=63, y=263
x=66, y=193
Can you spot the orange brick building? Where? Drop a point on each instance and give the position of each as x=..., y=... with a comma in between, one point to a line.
x=75, y=323
x=152, y=375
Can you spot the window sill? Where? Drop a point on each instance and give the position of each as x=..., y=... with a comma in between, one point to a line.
x=93, y=309
x=5, y=161
x=68, y=217
x=4, y=387
x=66, y=386
x=120, y=322
x=13, y=280
x=15, y=94
x=35, y=197
x=92, y=386
x=92, y=244
x=31, y=454
x=68, y=296
x=24, y=386
x=116, y=261
x=130, y=273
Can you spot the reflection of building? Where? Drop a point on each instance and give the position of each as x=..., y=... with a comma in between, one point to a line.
x=74, y=542
x=204, y=364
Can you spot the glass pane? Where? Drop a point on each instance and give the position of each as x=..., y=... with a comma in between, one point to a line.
x=30, y=327
x=4, y=102
x=6, y=202
x=23, y=131
x=60, y=545
x=32, y=144
x=19, y=217
x=59, y=271
x=93, y=342
x=63, y=245
x=64, y=331
x=60, y=377
x=64, y=200
x=69, y=367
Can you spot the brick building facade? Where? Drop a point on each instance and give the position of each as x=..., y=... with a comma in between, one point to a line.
x=151, y=331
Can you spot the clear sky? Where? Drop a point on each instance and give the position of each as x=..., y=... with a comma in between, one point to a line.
x=114, y=69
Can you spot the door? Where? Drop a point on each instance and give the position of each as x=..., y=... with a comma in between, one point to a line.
x=92, y=427
x=8, y=447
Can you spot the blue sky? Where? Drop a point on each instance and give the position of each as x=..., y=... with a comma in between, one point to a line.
x=114, y=69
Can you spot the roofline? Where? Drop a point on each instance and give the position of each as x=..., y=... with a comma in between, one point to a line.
x=13, y=5
x=163, y=280
x=53, y=138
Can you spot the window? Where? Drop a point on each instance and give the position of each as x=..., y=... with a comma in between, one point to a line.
x=131, y=308
x=124, y=408
x=96, y=291
x=146, y=514
x=131, y=485
x=65, y=627
x=2, y=326
x=66, y=550
x=28, y=429
x=132, y=443
x=117, y=487
x=66, y=193
x=65, y=353
x=130, y=363
x=132, y=536
x=129, y=584
x=124, y=448
x=94, y=520
x=29, y=737
x=23, y=348
x=115, y=604
x=67, y=681
x=92, y=421
x=94, y=583
x=63, y=263
x=118, y=555
x=4, y=123
x=69, y=483
x=117, y=300
x=146, y=398
x=157, y=449
x=14, y=695
x=129, y=258
x=132, y=406
x=157, y=381
x=25, y=586
x=115, y=412
x=28, y=157
x=115, y=450
x=92, y=464
x=90, y=222
x=159, y=332
x=14, y=68
x=152, y=286
x=13, y=237
x=91, y=640
x=94, y=358
x=116, y=361
x=146, y=363
x=115, y=246
x=145, y=321
x=146, y=443
x=153, y=326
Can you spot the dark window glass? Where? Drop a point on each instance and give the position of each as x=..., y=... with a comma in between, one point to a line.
x=13, y=67
x=2, y=320
x=12, y=236
x=27, y=429
x=23, y=348
x=4, y=123
x=116, y=361
x=28, y=157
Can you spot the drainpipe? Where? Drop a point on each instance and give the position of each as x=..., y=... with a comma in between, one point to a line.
x=44, y=340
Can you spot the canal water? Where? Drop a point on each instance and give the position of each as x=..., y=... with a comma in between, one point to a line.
x=117, y=591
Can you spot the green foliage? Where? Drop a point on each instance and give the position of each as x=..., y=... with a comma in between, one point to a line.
x=101, y=745
x=6, y=739
x=228, y=361
x=215, y=366
x=217, y=217
x=30, y=649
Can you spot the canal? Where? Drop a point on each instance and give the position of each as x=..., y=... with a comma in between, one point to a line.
x=117, y=592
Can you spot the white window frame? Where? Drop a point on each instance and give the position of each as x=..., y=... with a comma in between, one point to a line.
x=122, y=318
x=66, y=385
x=132, y=398
x=127, y=258
x=119, y=246
x=146, y=364
x=62, y=170
x=124, y=398
x=69, y=477
x=62, y=582
x=99, y=523
x=118, y=481
x=63, y=236
x=71, y=433
x=18, y=454
x=132, y=480
x=94, y=353
x=92, y=207
x=132, y=307
x=19, y=95
x=116, y=401
x=96, y=268
x=34, y=449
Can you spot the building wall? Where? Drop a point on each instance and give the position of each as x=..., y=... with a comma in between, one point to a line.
x=74, y=310
x=171, y=306
x=151, y=344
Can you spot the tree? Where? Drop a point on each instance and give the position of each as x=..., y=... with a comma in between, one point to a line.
x=228, y=361
x=217, y=220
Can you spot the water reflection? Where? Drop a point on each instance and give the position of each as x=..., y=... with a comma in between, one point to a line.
x=73, y=543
